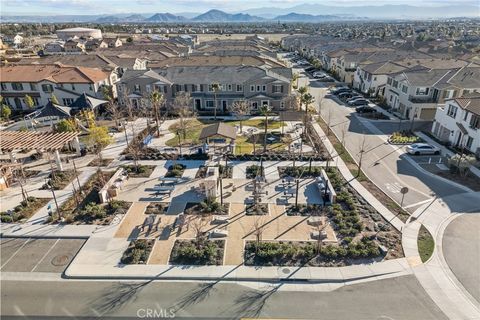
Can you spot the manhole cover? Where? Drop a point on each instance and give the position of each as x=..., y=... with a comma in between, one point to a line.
x=60, y=260
x=286, y=270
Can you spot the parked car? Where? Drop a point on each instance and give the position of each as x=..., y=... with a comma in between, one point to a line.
x=319, y=75
x=346, y=95
x=355, y=97
x=365, y=109
x=358, y=102
x=340, y=90
x=422, y=148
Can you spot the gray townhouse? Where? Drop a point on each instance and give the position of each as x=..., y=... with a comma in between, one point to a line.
x=418, y=92
x=256, y=84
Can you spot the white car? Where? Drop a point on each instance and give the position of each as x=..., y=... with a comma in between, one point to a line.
x=422, y=148
x=319, y=75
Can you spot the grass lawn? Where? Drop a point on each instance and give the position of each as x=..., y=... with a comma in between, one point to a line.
x=259, y=123
x=192, y=132
x=425, y=244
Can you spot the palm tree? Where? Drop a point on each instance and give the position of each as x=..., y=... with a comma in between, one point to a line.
x=295, y=80
x=308, y=99
x=156, y=100
x=215, y=87
x=265, y=111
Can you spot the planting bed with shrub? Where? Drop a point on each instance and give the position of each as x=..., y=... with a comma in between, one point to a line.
x=197, y=252
x=157, y=208
x=259, y=209
x=299, y=172
x=254, y=170
x=140, y=171
x=208, y=206
x=304, y=210
x=175, y=171
x=309, y=253
x=59, y=179
x=24, y=210
x=404, y=137
x=138, y=251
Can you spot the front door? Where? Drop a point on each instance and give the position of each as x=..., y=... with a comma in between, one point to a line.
x=18, y=103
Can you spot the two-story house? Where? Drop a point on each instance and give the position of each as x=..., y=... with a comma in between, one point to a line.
x=419, y=91
x=257, y=85
x=73, y=46
x=40, y=82
x=372, y=78
x=458, y=122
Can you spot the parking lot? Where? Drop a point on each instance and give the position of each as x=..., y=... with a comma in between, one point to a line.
x=37, y=255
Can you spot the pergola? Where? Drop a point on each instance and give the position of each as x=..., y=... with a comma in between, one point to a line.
x=11, y=141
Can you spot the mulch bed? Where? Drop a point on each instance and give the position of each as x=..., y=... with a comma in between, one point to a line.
x=157, y=208
x=260, y=209
x=100, y=163
x=24, y=210
x=197, y=209
x=299, y=172
x=60, y=179
x=193, y=252
x=141, y=171
x=304, y=210
x=138, y=251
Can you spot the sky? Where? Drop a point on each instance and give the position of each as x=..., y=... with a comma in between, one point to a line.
x=65, y=7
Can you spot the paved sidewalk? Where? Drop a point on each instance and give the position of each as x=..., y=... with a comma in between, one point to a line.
x=435, y=275
x=387, y=214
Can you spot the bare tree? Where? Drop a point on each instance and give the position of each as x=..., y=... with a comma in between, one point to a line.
x=362, y=149
x=182, y=107
x=343, y=133
x=198, y=224
x=240, y=109
x=329, y=120
x=258, y=228
x=216, y=88
x=291, y=102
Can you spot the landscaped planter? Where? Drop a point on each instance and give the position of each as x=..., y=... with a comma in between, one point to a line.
x=157, y=208
x=138, y=251
x=197, y=252
x=59, y=179
x=404, y=138
x=24, y=210
x=140, y=171
x=253, y=171
x=260, y=209
x=175, y=171
x=300, y=172
x=206, y=207
x=304, y=210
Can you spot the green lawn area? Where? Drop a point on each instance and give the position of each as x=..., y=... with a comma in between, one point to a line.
x=192, y=132
x=259, y=123
x=425, y=244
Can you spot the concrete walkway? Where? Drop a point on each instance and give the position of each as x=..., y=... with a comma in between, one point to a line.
x=435, y=275
x=342, y=167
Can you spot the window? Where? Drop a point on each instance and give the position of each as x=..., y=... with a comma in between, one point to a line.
x=229, y=87
x=210, y=88
x=452, y=111
x=404, y=89
x=475, y=122
x=448, y=94
x=4, y=86
x=252, y=88
x=198, y=104
x=264, y=88
x=258, y=88
x=264, y=102
x=422, y=91
x=194, y=88
x=73, y=86
x=469, y=142
x=465, y=116
x=148, y=88
x=33, y=86
x=282, y=104
x=389, y=81
x=17, y=86
x=395, y=83
x=239, y=87
x=209, y=104
x=136, y=88
x=255, y=105
x=67, y=101
x=90, y=87
x=47, y=88
x=277, y=88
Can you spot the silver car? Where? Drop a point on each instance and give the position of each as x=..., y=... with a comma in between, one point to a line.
x=422, y=148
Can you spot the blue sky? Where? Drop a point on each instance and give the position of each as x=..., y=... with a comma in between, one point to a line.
x=52, y=7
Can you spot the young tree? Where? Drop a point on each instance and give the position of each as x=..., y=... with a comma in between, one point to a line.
x=65, y=126
x=182, y=107
x=308, y=99
x=5, y=111
x=362, y=149
x=99, y=138
x=198, y=224
x=216, y=88
x=258, y=228
x=290, y=102
x=54, y=99
x=265, y=111
x=240, y=109
x=112, y=107
x=156, y=101
x=29, y=101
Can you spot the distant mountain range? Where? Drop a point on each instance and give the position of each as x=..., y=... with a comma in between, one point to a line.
x=300, y=13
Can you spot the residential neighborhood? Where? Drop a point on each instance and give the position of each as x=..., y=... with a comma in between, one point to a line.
x=271, y=161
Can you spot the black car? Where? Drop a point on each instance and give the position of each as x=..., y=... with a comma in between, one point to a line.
x=359, y=102
x=340, y=90
x=346, y=95
x=365, y=109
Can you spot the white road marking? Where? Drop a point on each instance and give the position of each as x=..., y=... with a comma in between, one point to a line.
x=13, y=255
x=393, y=187
x=417, y=204
x=46, y=253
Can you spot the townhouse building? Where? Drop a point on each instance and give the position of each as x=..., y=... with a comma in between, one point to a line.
x=417, y=92
x=255, y=84
x=458, y=123
x=40, y=82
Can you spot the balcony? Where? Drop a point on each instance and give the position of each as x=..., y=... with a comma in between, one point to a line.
x=419, y=99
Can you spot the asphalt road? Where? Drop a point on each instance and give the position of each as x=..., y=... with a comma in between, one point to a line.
x=461, y=248
x=385, y=164
x=397, y=298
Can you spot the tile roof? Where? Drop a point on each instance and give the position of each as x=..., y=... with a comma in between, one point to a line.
x=470, y=102
x=56, y=73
